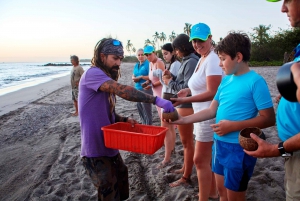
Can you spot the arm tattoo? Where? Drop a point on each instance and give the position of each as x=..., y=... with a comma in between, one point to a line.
x=126, y=92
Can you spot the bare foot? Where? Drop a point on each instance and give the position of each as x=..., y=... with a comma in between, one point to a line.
x=163, y=164
x=179, y=171
x=75, y=114
x=179, y=182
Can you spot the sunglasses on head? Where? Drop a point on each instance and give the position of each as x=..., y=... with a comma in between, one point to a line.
x=116, y=43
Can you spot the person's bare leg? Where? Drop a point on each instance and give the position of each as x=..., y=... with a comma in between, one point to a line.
x=202, y=159
x=213, y=187
x=221, y=188
x=76, y=108
x=186, y=135
x=236, y=196
x=169, y=144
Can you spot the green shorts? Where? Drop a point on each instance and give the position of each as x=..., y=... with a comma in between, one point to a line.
x=109, y=175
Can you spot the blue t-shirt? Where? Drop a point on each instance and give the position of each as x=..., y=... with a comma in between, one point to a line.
x=240, y=98
x=288, y=113
x=141, y=70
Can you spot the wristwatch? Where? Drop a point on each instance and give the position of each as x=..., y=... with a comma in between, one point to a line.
x=282, y=151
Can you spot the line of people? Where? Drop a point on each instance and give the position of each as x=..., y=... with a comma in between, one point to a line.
x=238, y=100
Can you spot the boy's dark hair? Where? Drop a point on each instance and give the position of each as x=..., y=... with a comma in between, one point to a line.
x=182, y=43
x=233, y=43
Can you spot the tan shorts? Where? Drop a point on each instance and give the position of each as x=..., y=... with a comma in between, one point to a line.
x=292, y=177
x=75, y=94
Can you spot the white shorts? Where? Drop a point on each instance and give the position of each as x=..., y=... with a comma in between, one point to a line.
x=203, y=132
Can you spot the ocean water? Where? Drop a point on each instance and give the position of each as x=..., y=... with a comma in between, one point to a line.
x=16, y=76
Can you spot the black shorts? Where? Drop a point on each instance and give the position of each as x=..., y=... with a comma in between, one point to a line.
x=109, y=175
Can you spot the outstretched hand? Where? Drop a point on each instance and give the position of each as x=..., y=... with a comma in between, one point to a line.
x=179, y=121
x=264, y=150
x=177, y=101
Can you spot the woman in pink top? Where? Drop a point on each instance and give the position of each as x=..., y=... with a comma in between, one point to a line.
x=155, y=63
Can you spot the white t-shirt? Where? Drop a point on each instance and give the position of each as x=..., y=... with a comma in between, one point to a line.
x=197, y=82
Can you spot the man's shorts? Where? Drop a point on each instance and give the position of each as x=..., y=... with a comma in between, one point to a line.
x=109, y=175
x=292, y=177
x=75, y=94
x=230, y=161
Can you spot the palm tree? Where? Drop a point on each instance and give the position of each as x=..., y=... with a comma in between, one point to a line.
x=129, y=46
x=162, y=37
x=133, y=49
x=147, y=42
x=261, y=36
x=156, y=37
x=153, y=43
x=172, y=36
x=187, y=28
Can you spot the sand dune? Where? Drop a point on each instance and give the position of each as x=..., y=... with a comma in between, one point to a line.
x=40, y=146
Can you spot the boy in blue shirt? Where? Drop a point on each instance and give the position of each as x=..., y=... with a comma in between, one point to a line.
x=241, y=95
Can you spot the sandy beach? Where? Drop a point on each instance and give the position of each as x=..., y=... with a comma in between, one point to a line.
x=40, y=151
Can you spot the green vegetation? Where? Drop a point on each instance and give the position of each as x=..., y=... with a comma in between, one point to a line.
x=130, y=59
x=267, y=49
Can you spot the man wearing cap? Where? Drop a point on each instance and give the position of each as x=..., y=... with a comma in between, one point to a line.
x=288, y=115
x=98, y=88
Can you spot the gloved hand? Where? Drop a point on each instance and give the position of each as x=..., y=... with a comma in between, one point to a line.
x=165, y=104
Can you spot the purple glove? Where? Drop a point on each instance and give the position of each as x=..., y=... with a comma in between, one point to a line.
x=165, y=104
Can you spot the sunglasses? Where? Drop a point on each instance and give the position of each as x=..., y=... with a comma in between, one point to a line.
x=140, y=55
x=116, y=43
x=147, y=54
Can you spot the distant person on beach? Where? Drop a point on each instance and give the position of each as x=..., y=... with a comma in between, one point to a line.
x=139, y=76
x=287, y=119
x=241, y=95
x=76, y=74
x=203, y=86
x=155, y=63
x=98, y=88
x=174, y=65
x=183, y=49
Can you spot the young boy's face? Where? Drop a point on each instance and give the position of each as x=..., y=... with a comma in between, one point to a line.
x=228, y=65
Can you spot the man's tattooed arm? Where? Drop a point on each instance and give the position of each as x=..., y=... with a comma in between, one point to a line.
x=126, y=92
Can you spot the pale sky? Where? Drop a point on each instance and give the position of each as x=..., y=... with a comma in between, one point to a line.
x=50, y=31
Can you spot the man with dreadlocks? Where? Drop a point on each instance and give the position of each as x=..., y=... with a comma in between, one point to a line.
x=97, y=90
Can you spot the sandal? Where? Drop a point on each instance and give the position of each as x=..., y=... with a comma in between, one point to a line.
x=183, y=180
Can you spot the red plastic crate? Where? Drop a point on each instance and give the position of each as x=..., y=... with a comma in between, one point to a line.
x=140, y=138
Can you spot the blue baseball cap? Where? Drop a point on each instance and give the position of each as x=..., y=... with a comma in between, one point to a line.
x=200, y=31
x=148, y=49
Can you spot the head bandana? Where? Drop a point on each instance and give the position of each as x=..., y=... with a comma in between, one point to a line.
x=110, y=48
